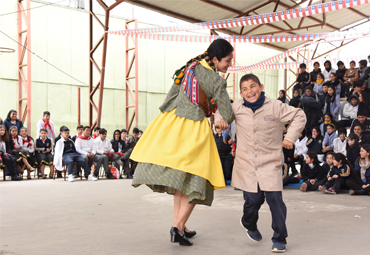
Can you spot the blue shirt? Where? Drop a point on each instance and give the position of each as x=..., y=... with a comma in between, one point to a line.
x=329, y=139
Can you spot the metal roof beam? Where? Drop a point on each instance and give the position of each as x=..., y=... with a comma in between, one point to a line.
x=222, y=7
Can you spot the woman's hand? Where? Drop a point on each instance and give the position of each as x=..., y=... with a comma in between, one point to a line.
x=223, y=125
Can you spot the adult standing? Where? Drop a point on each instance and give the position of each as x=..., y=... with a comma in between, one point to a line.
x=48, y=125
x=11, y=120
x=186, y=164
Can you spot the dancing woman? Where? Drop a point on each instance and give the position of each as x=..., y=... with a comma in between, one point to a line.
x=177, y=153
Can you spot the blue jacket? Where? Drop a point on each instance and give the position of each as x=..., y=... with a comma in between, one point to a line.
x=334, y=108
x=329, y=139
x=18, y=123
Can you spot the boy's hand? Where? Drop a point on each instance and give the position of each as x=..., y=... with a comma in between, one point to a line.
x=329, y=179
x=335, y=176
x=365, y=186
x=287, y=144
x=223, y=125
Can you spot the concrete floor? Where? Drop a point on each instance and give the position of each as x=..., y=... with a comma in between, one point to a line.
x=110, y=217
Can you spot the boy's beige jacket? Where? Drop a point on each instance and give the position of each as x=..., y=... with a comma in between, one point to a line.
x=259, y=153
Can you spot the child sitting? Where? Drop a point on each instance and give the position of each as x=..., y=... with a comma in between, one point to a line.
x=340, y=143
x=17, y=152
x=96, y=132
x=28, y=149
x=318, y=86
x=10, y=163
x=80, y=130
x=312, y=173
x=44, y=157
x=328, y=164
x=337, y=175
x=65, y=151
x=328, y=118
x=314, y=143
x=330, y=135
x=353, y=148
x=350, y=110
x=332, y=103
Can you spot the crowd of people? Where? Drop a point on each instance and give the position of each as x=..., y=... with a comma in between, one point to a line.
x=333, y=149
x=83, y=153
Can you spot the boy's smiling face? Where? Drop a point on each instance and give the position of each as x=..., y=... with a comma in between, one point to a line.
x=251, y=91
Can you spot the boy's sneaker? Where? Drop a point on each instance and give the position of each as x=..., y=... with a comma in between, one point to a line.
x=304, y=187
x=330, y=191
x=322, y=188
x=278, y=247
x=70, y=178
x=91, y=178
x=8, y=178
x=253, y=235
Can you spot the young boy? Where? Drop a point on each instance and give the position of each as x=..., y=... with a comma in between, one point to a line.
x=96, y=132
x=330, y=135
x=46, y=123
x=260, y=123
x=124, y=134
x=65, y=151
x=43, y=146
x=303, y=78
x=80, y=130
x=340, y=143
x=322, y=98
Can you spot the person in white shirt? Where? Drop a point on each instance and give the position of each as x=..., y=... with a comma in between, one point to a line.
x=328, y=70
x=104, y=149
x=48, y=125
x=340, y=143
x=300, y=150
x=86, y=147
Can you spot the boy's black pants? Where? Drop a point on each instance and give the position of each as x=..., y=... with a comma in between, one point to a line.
x=252, y=204
x=314, y=186
x=335, y=184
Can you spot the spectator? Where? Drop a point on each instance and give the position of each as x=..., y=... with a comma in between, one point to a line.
x=224, y=151
x=314, y=143
x=313, y=175
x=43, y=146
x=16, y=148
x=310, y=93
x=47, y=124
x=104, y=149
x=300, y=150
x=60, y=135
x=327, y=70
x=11, y=120
x=119, y=147
x=316, y=70
x=328, y=164
x=65, y=151
x=341, y=72
x=317, y=88
x=337, y=175
x=96, y=132
x=358, y=129
x=350, y=76
x=330, y=135
x=364, y=105
x=362, y=119
x=303, y=78
x=313, y=112
x=359, y=86
x=340, y=143
x=132, y=141
x=328, y=118
x=359, y=181
x=335, y=83
x=364, y=71
x=28, y=149
x=11, y=169
x=288, y=179
x=353, y=148
x=332, y=103
x=350, y=110
x=124, y=134
x=86, y=147
x=282, y=97
x=322, y=98
x=296, y=94
x=80, y=130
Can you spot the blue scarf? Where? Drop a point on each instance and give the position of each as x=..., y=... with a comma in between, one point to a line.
x=254, y=106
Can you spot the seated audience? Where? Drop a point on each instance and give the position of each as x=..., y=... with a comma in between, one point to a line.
x=86, y=147
x=43, y=147
x=362, y=119
x=316, y=70
x=132, y=140
x=313, y=175
x=364, y=71
x=104, y=149
x=328, y=118
x=282, y=97
x=328, y=164
x=358, y=87
x=337, y=175
x=300, y=150
x=322, y=98
x=314, y=144
x=332, y=103
x=47, y=124
x=80, y=130
x=327, y=70
x=10, y=163
x=11, y=120
x=65, y=151
x=358, y=129
x=359, y=181
x=350, y=76
x=28, y=149
x=364, y=105
x=124, y=135
x=60, y=135
x=312, y=109
x=96, y=132
x=340, y=143
x=353, y=148
x=330, y=135
x=341, y=72
x=317, y=87
x=303, y=79
x=350, y=110
x=296, y=94
x=335, y=83
x=119, y=147
x=288, y=179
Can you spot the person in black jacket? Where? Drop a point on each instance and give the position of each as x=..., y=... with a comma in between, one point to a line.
x=353, y=148
x=119, y=147
x=316, y=70
x=314, y=144
x=8, y=161
x=329, y=162
x=313, y=110
x=313, y=175
x=303, y=79
x=362, y=119
x=359, y=180
x=224, y=151
x=340, y=76
x=288, y=179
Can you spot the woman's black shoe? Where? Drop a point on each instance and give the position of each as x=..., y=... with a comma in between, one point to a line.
x=174, y=237
x=183, y=240
x=189, y=234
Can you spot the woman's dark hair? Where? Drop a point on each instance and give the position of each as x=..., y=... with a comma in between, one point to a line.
x=313, y=155
x=9, y=113
x=318, y=130
x=366, y=147
x=329, y=115
x=353, y=137
x=340, y=157
x=294, y=102
x=5, y=137
x=284, y=96
x=331, y=99
x=219, y=48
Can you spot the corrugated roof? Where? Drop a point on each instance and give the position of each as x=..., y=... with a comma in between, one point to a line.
x=211, y=10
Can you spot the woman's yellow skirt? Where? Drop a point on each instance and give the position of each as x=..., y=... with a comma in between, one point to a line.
x=179, y=153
